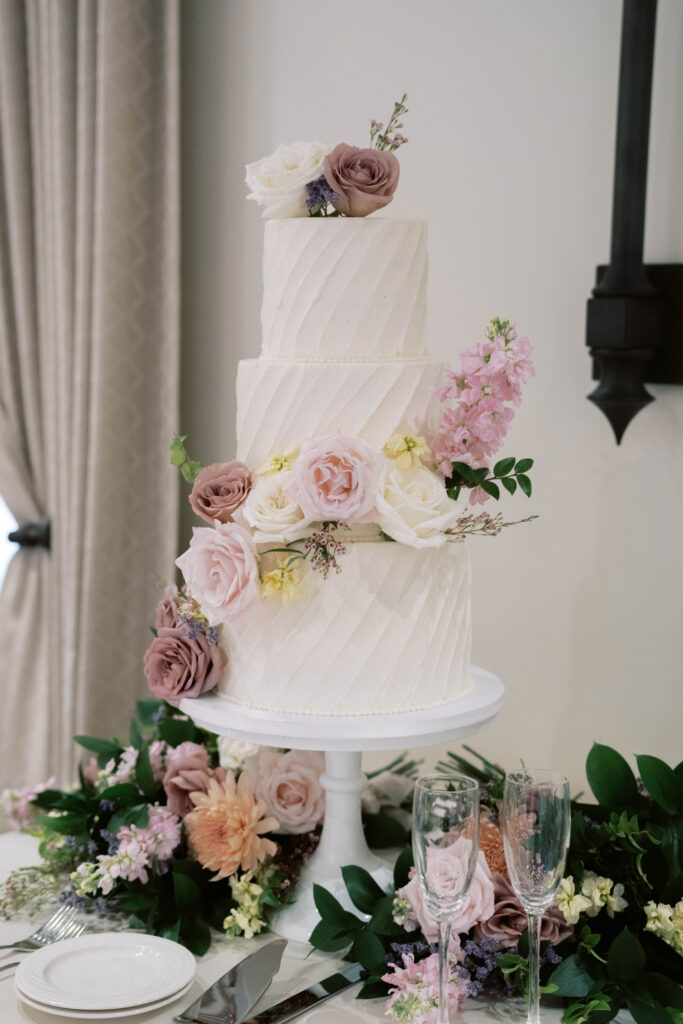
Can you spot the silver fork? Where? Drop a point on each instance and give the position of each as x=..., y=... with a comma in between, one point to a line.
x=62, y=925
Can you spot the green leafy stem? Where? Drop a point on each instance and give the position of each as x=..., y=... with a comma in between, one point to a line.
x=511, y=473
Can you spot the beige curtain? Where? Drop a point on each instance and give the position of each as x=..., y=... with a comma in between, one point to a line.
x=89, y=315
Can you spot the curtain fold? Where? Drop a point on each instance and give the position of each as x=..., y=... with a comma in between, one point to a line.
x=89, y=342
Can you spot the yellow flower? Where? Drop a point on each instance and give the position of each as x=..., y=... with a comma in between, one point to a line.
x=408, y=451
x=279, y=462
x=285, y=580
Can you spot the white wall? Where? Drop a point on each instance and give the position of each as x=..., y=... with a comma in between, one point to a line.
x=511, y=128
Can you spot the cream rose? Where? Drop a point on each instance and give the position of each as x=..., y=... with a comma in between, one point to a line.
x=289, y=785
x=335, y=478
x=413, y=507
x=278, y=182
x=271, y=513
x=221, y=570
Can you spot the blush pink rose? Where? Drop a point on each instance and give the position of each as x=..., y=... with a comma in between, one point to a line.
x=178, y=665
x=508, y=920
x=289, y=785
x=188, y=771
x=336, y=478
x=221, y=570
x=364, y=179
x=166, y=614
x=447, y=866
x=220, y=489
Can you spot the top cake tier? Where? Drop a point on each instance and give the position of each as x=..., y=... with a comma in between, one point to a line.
x=338, y=289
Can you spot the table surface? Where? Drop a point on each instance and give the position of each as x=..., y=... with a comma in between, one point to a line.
x=300, y=967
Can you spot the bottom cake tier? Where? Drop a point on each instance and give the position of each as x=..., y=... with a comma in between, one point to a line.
x=391, y=632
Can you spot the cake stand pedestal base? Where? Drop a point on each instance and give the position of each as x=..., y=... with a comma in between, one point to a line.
x=344, y=738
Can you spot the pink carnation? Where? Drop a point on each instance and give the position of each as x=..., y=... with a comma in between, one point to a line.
x=289, y=785
x=336, y=478
x=415, y=989
x=221, y=571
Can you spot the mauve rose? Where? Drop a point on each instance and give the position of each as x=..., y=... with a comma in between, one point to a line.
x=166, y=614
x=221, y=570
x=336, y=478
x=219, y=490
x=508, y=920
x=448, y=865
x=177, y=665
x=289, y=784
x=365, y=179
x=187, y=771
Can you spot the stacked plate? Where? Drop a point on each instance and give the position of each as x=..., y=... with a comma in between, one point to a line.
x=109, y=974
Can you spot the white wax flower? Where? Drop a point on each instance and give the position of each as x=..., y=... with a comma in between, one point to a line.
x=278, y=182
x=413, y=507
x=271, y=514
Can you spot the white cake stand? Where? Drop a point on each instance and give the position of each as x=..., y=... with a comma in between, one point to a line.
x=344, y=738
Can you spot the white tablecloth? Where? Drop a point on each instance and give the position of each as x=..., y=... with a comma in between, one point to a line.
x=300, y=967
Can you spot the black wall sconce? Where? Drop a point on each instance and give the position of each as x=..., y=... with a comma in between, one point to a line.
x=635, y=318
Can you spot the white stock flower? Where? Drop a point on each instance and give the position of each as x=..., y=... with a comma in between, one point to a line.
x=615, y=902
x=659, y=919
x=413, y=507
x=596, y=889
x=278, y=182
x=271, y=514
x=233, y=753
x=569, y=902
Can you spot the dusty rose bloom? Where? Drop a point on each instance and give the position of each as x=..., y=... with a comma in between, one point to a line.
x=221, y=570
x=289, y=785
x=364, y=179
x=166, y=614
x=219, y=490
x=508, y=920
x=336, y=478
x=187, y=771
x=177, y=665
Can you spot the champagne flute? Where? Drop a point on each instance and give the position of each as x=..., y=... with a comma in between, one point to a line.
x=445, y=846
x=536, y=821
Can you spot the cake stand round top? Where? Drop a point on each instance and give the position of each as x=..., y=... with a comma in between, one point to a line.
x=446, y=722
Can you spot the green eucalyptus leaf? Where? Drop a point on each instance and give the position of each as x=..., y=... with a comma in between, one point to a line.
x=138, y=815
x=331, y=910
x=503, y=467
x=492, y=489
x=329, y=938
x=144, y=776
x=524, y=484
x=610, y=777
x=362, y=888
x=465, y=471
x=661, y=783
x=626, y=957
x=111, y=748
x=509, y=483
x=572, y=978
x=123, y=793
x=368, y=949
x=382, y=920
x=524, y=465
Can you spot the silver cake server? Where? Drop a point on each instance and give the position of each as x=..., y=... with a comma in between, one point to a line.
x=231, y=998
x=306, y=998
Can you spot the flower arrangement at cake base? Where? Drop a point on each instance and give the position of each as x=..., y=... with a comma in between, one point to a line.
x=191, y=836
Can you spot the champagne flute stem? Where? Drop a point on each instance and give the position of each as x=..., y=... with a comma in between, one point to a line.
x=534, y=921
x=444, y=969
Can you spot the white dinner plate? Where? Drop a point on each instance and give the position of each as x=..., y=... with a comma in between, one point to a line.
x=105, y=971
x=103, y=1014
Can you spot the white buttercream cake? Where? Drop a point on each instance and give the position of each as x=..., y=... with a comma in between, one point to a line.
x=344, y=351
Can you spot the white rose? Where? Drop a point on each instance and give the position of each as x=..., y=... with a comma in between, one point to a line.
x=233, y=753
x=413, y=507
x=278, y=182
x=271, y=514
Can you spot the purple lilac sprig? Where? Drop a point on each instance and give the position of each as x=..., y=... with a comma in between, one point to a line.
x=323, y=548
x=389, y=138
x=319, y=196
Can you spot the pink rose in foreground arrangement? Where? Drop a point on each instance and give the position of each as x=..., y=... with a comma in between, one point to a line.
x=336, y=478
x=289, y=785
x=508, y=920
x=188, y=771
x=178, y=665
x=447, y=866
x=220, y=489
x=364, y=179
x=221, y=570
x=166, y=614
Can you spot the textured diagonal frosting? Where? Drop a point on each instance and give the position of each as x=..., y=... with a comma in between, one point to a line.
x=347, y=287
x=279, y=404
x=390, y=632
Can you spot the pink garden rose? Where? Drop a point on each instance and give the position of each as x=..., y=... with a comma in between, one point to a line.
x=364, y=179
x=188, y=771
x=289, y=785
x=221, y=570
x=178, y=665
x=220, y=489
x=508, y=920
x=166, y=614
x=447, y=866
x=336, y=478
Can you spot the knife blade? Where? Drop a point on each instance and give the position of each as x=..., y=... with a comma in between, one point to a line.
x=306, y=998
x=233, y=996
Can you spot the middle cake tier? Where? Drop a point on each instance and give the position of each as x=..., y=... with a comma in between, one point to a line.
x=280, y=404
